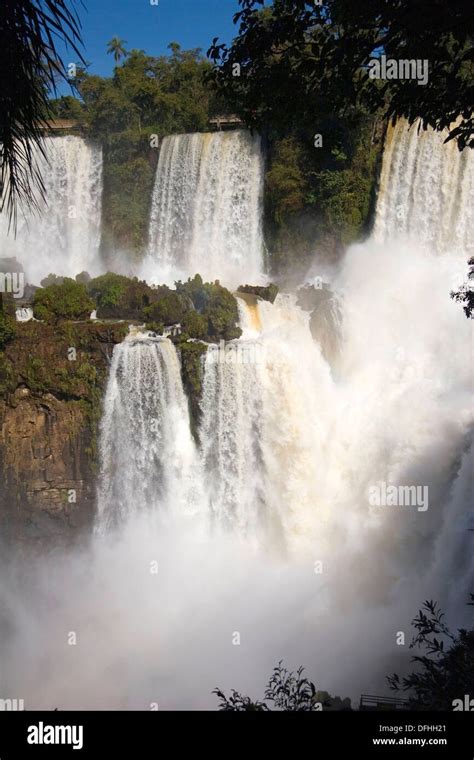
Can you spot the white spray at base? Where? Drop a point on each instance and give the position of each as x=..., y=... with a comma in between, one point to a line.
x=64, y=237
x=276, y=552
x=157, y=605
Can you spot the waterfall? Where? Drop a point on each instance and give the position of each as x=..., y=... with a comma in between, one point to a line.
x=261, y=437
x=24, y=314
x=207, y=207
x=294, y=561
x=148, y=458
x=426, y=190
x=64, y=236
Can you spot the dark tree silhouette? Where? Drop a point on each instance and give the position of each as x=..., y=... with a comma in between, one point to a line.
x=446, y=671
x=295, y=59
x=30, y=69
x=465, y=294
x=286, y=691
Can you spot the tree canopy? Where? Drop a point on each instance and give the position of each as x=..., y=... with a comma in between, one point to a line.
x=294, y=59
x=445, y=667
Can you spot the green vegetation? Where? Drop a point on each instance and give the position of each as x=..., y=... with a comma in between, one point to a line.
x=206, y=311
x=7, y=324
x=216, y=304
x=68, y=300
x=286, y=692
x=192, y=357
x=116, y=48
x=299, y=61
x=120, y=297
x=39, y=358
x=320, y=198
x=31, y=66
x=146, y=98
x=169, y=309
x=194, y=325
x=315, y=197
x=7, y=329
x=465, y=294
x=446, y=667
x=298, y=73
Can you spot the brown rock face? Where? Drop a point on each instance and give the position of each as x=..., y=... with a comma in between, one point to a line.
x=49, y=413
x=48, y=486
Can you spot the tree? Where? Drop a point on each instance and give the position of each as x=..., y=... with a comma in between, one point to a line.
x=30, y=67
x=65, y=301
x=465, y=294
x=116, y=48
x=295, y=60
x=446, y=673
x=286, y=691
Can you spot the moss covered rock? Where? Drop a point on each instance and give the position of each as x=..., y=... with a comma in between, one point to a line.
x=192, y=357
x=217, y=305
x=266, y=293
x=170, y=308
x=120, y=297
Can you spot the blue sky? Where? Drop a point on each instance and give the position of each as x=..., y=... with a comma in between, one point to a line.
x=192, y=23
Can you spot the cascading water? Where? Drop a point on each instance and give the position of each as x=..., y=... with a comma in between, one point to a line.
x=64, y=237
x=24, y=314
x=206, y=207
x=426, y=190
x=147, y=453
x=298, y=564
x=261, y=438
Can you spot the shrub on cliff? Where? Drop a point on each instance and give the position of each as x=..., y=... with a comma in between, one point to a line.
x=216, y=304
x=195, y=325
x=51, y=279
x=445, y=665
x=83, y=277
x=170, y=308
x=285, y=692
x=222, y=314
x=58, y=302
x=120, y=297
x=7, y=327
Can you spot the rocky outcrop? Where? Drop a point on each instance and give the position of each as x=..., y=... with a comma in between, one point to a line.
x=48, y=481
x=51, y=388
x=325, y=320
x=266, y=293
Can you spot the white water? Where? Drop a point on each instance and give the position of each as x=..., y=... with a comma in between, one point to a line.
x=206, y=208
x=289, y=448
x=64, y=237
x=24, y=314
x=426, y=191
x=146, y=448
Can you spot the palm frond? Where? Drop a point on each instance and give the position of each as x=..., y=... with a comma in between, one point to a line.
x=30, y=69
